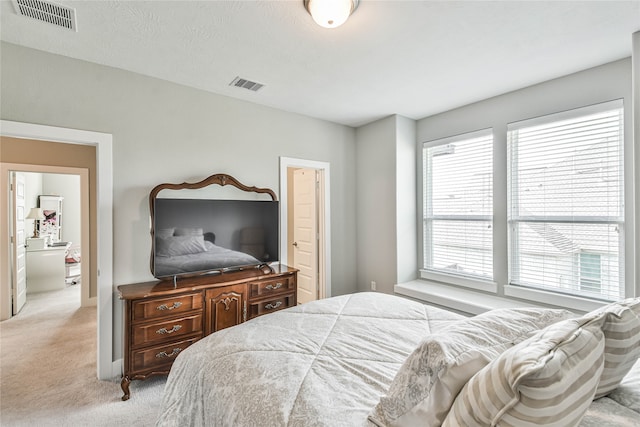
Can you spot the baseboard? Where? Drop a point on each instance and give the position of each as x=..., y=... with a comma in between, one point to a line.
x=117, y=368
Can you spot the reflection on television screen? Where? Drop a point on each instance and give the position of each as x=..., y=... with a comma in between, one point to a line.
x=193, y=236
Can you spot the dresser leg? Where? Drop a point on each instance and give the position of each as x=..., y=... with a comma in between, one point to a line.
x=125, y=387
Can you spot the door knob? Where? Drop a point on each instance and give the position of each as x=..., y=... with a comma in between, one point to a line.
x=295, y=244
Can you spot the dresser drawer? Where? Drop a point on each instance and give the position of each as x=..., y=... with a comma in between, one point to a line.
x=149, y=333
x=159, y=356
x=271, y=287
x=256, y=309
x=155, y=308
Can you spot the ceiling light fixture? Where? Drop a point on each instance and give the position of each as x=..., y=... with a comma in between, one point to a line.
x=330, y=13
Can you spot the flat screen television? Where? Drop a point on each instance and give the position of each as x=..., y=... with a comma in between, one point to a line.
x=200, y=236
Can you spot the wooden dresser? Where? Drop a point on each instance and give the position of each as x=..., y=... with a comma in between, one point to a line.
x=161, y=320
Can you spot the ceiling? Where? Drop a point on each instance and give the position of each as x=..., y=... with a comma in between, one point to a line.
x=413, y=58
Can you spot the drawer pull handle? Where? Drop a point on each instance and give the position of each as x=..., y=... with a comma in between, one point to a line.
x=163, y=331
x=164, y=355
x=166, y=307
x=273, y=287
x=271, y=306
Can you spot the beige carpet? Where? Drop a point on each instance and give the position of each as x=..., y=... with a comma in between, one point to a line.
x=48, y=370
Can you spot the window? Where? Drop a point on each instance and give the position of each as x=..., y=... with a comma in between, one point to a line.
x=534, y=212
x=566, y=219
x=458, y=206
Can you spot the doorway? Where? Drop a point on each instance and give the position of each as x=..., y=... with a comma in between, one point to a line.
x=52, y=268
x=101, y=231
x=305, y=225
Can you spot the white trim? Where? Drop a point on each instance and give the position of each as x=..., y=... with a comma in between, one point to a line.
x=483, y=143
x=579, y=117
x=103, y=144
x=553, y=298
x=467, y=282
x=117, y=368
x=287, y=162
x=473, y=302
x=481, y=133
x=632, y=152
x=566, y=115
x=83, y=174
x=454, y=298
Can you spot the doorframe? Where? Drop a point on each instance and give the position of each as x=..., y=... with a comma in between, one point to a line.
x=17, y=222
x=106, y=368
x=324, y=218
x=83, y=173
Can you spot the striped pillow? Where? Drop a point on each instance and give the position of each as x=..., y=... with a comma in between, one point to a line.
x=621, y=330
x=429, y=380
x=548, y=379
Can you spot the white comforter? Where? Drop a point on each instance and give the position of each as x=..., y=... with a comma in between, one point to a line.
x=325, y=363
x=321, y=364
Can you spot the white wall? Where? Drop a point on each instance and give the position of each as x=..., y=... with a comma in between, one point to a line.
x=406, y=199
x=636, y=132
x=376, y=199
x=599, y=84
x=386, y=203
x=164, y=132
x=595, y=85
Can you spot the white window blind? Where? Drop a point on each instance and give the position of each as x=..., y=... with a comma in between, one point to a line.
x=458, y=205
x=566, y=205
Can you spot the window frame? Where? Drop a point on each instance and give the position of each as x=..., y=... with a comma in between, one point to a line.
x=500, y=287
x=488, y=285
x=513, y=206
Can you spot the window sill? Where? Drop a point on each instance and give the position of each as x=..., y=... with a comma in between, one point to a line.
x=463, y=300
x=467, y=282
x=553, y=298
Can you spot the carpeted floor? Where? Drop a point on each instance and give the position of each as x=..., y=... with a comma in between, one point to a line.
x=48, y=370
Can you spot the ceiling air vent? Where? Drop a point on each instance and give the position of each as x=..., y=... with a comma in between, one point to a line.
x=52, y=13
x=246, y=84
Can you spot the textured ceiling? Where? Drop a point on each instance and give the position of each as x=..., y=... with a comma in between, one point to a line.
x=413, y=58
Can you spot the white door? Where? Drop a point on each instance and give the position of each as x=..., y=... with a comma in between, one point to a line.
x=305, y=233
x=19, y=273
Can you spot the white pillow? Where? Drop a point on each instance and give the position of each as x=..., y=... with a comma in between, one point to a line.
x=426, y=385
x=180, y=245
x=163, y=233
x=547, y=380
x=188, y=232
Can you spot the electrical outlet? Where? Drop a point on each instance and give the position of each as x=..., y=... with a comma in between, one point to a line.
x=373, y=285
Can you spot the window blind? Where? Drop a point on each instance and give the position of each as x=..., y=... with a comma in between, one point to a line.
x=458, y=205
x=566, y=219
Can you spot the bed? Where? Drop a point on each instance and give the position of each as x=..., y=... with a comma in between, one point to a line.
x=371, y=359
x=180, y=251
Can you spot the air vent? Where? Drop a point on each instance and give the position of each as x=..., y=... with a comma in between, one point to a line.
x=246, y=84
x=45, y=11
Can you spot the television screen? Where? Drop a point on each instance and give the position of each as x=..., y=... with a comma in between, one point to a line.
x=196, y=236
